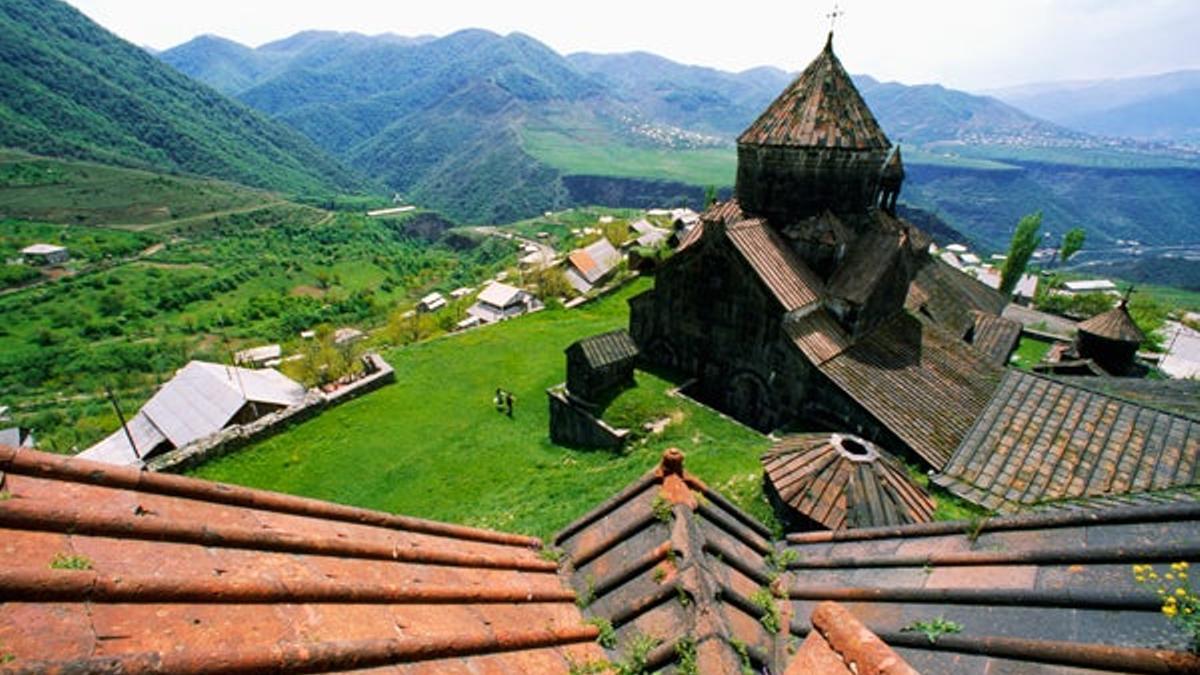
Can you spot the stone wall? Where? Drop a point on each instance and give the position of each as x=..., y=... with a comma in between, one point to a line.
x=236, y=437
x=789, y=184
x=572, y=424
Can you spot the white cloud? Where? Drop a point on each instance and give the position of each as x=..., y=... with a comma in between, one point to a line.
x=962, y=43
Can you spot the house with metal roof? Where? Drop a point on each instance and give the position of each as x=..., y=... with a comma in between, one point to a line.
x=587, y=267
x=265, y=356
x=431, y=303
x=498, y=302
x=45, y=254
x=200, y=400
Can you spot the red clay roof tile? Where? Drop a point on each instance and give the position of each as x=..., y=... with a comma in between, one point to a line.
x=112, y=568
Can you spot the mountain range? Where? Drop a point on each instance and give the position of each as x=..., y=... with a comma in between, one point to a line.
x=1163, y=107
x=491, y=128
x=71, y=88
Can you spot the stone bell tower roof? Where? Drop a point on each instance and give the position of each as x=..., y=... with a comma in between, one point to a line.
x=820, y=109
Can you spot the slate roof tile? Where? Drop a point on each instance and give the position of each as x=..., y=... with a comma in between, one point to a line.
x=672, y=559
x=951, y=297
x=1040, y=440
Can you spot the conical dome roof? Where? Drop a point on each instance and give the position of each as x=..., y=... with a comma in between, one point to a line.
x=822, y=108
x=1115, y=324
x=844, y=482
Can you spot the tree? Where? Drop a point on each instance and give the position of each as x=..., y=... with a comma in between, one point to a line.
x=1024, y=241
x=710, y=196
x=1072, y=241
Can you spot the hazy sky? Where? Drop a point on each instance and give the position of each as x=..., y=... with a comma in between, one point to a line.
x=969, y=44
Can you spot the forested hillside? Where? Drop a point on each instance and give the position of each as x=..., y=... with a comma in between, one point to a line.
x=72, y=89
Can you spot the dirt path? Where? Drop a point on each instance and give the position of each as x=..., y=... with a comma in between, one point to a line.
x=142, y=227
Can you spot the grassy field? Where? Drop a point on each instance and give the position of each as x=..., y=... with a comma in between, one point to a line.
x=82, y=193
x=432, y=444
x=165, y=269
x=706, y=166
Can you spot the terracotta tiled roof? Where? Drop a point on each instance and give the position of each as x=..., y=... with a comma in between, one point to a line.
x=951, y=297
x=116, y=570
x=995, y=337
x=1046, y=593
x=787, y=277
x=821, y=108
x=1115, y=324
x=1041, y=440
x=923, y=384
x=607, y=348
x=843, y=482
x=670, y=559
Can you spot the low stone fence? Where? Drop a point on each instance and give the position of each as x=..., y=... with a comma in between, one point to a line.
x=379, y=373
x=572, y=424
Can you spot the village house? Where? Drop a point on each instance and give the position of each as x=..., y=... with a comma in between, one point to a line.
x=200, y=400
x=649, y=236
x=347, y=335
x=498, y=302
x=431, y=303
x=587, y=267
x=267, y=356
x=1091, y=286
x=45, y=254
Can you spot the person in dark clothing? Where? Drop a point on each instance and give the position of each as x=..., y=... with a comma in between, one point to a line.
x=508, y=401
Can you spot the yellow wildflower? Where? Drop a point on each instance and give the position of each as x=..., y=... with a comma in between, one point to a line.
x=1180, y=592
x=1170, y=611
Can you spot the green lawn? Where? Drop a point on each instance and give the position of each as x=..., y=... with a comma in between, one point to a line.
x=1030, y=352
x=432, y=445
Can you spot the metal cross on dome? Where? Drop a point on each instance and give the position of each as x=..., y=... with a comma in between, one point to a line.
x=833, y=16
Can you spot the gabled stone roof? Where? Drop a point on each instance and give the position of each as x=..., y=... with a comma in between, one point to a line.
x=783, y=273
x=606, y=348
x=118, y=570
x=1115, y=324
x=950, y=297
x=1041, y=440
x=820, y=109
x=922, y=383
x=995, y=337
x=843, y=482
